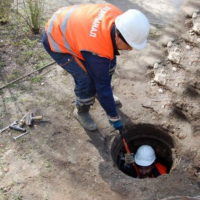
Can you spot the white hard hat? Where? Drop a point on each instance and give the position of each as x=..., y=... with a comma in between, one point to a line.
x=145, y=156
x=134, y=27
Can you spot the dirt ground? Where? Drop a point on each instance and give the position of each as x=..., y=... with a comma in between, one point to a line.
x=58, y=159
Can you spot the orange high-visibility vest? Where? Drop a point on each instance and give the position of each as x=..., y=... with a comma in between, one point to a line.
x=83, y=27
x=161, y=168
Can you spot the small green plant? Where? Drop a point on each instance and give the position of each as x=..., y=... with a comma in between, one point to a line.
x=34, y=12
x=40, y=63
x=48, y=164
x=18, y=197
x=2, y=63
x=14, y=75
x=10, y=99
x=37, y=79
x=5, y=6
x=24, y=57
x=29, y=43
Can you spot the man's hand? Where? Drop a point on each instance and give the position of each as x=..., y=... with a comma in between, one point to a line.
x=116, y=123
x=128, y=158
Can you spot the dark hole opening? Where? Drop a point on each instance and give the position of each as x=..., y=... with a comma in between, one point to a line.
x=143, y=134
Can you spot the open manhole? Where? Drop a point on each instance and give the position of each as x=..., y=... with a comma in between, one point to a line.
x=136, y=137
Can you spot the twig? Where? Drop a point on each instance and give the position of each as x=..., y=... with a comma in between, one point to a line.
x=148, y=107
x=22, y=77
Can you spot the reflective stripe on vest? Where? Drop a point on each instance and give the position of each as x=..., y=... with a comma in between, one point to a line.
x=63, y=29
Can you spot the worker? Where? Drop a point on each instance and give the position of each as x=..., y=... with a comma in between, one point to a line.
x=143, y=164
x=84, y=40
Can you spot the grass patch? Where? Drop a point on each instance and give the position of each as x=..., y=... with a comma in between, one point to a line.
x=10, y=99
x=2, y=63
x=5, y=8
x=48, y=165
x=1, y=125
x=43, y=55
x=37, y=79
x=26, y=47
x=14, y=85
x=40, y=64
x=29, y=43
x=18, y=197
x=25, y=56
x=3, y=195
x=15, y=74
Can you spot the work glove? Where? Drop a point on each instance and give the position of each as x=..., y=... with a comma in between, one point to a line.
x=128, y=158
x=116, y=122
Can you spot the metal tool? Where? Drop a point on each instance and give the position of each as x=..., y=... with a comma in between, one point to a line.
x=7, y=127
x=127, y=149
x=19, y=124
x=22, y=121
x=17, y=128
x=30, y=118
x=16, y=137
x=16, y=125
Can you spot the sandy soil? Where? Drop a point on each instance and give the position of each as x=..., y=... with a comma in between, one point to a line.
x=59, y=160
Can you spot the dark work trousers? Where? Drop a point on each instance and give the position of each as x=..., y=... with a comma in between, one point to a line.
x=84, y=86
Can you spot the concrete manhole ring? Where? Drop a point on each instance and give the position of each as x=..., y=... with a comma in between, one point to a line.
x=143, y=134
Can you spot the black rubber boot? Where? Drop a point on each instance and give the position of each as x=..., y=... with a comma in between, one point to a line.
x=81, y=113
